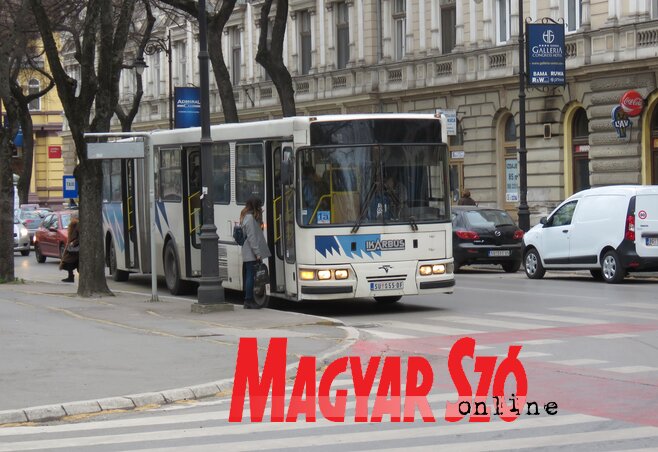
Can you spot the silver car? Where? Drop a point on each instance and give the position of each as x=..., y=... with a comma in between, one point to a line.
x=31, y=219
x=21, y=238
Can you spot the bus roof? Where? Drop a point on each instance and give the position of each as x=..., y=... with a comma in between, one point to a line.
x=273, y=128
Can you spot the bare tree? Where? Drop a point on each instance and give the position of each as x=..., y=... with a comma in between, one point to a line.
x=25, y=117
x=126, y=118
x=216, y=23
x=271, y=57
x=12, y=48
x=100, y=35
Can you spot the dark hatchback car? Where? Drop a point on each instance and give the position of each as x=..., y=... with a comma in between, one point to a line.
x=486, y=236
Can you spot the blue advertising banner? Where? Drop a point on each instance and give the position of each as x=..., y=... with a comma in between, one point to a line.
x=188, y=107
x=546, y=54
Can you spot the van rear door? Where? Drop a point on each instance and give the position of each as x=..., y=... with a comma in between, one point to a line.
x=646, y=222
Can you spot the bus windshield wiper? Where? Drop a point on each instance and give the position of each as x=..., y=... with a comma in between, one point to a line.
x=364, y=210
x=412, y=222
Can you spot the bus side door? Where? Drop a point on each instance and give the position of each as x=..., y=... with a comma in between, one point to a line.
x=287, y=220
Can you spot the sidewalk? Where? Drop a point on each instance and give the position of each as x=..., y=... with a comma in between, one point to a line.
x=57, y=348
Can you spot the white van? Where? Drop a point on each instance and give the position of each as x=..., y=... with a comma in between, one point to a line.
x=608, y=230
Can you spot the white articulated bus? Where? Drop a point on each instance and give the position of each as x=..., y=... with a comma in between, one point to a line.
x=355, y=205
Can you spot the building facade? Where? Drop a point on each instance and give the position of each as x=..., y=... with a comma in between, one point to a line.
x=352, y=56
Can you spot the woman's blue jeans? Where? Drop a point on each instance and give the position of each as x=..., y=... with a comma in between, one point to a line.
x=248, y=275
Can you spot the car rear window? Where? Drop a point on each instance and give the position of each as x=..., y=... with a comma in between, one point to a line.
x=488, y=218
x=66, y=219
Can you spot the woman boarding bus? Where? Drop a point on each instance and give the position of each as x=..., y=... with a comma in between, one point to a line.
x=354, y=205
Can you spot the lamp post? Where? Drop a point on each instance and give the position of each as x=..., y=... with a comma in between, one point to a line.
x=153, y=46
x=524, y=211
x=210, y=296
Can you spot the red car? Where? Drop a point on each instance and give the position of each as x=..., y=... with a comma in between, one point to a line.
x=50, y=238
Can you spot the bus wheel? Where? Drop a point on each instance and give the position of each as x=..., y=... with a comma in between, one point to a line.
x=388, y=300
x=117, y=275
x=171, y=270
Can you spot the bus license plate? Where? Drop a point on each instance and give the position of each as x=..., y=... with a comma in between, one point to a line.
x=652, y=241
x=499, y=253
x=386, y=285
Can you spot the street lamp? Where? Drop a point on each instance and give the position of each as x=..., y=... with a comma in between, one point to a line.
x=153, y=46
x=210, y=296
x=524, y=211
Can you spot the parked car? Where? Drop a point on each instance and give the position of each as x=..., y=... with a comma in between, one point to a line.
x=31, y=219
x=609, y=231
x=43, y=211
x=486, y=236
x=21, y=238
x=50, y=239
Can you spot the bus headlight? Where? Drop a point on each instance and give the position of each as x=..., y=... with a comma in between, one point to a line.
x=341, y=274
x=306, y=274
x=438, y=269
x=324, y=274
x=425, y=270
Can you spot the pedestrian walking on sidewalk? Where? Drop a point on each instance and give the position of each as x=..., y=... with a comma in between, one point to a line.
x=466, y=199
x=71, y=254
x=254, y=249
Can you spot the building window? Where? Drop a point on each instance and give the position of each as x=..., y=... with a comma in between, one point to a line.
x=503, y=19
x=399, y=28
x=270, y=26
x=342, y=36
x=181, y=57
x=236, y=54
x=573, y=15
x=33, y=87
x=654, y=9
x=305, y=42
x=580, y=150
x=448, y=28
x=511, y=161
x=155, y=73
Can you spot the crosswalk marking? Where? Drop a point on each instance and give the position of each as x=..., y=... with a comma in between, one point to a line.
x=613, y=336
x=540, y=342
x=579, y=362
x=551, y=318
x=548, y=441
x=387, y=335
x=639, y=305
x=490, y=322
x=631, y=369
x=255, y=443
x=609, y=312
x=434, y=329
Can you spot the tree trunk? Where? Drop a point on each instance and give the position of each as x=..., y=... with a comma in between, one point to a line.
x=7, y=191
x=222, y=77
x=271, y=57
x=89, y=174
x=28, y=153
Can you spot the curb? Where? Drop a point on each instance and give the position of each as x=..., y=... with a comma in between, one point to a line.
x=55, y=412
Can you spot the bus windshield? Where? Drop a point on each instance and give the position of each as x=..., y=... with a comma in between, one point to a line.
x=375, y=184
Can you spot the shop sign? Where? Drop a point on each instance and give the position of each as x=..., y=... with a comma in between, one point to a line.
x=511, y=180
x=632, y=103
x=546, y=54
x=54, y=152
x=457, y=154
x=620, y=121
x=582, y=148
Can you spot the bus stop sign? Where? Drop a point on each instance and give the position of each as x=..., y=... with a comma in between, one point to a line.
x=70, y=187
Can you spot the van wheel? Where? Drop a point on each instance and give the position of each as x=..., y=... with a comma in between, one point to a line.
x=388, y=300
x=171, y=270
x=611, y=268
x=596, y=274
x=37, y=254
x=117, y=275
x=533, y=266
x=511, y=267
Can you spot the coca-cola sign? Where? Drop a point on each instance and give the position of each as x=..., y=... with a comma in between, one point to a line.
x=632, y=103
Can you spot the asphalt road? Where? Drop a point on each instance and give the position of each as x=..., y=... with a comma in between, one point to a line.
x=590, y=347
